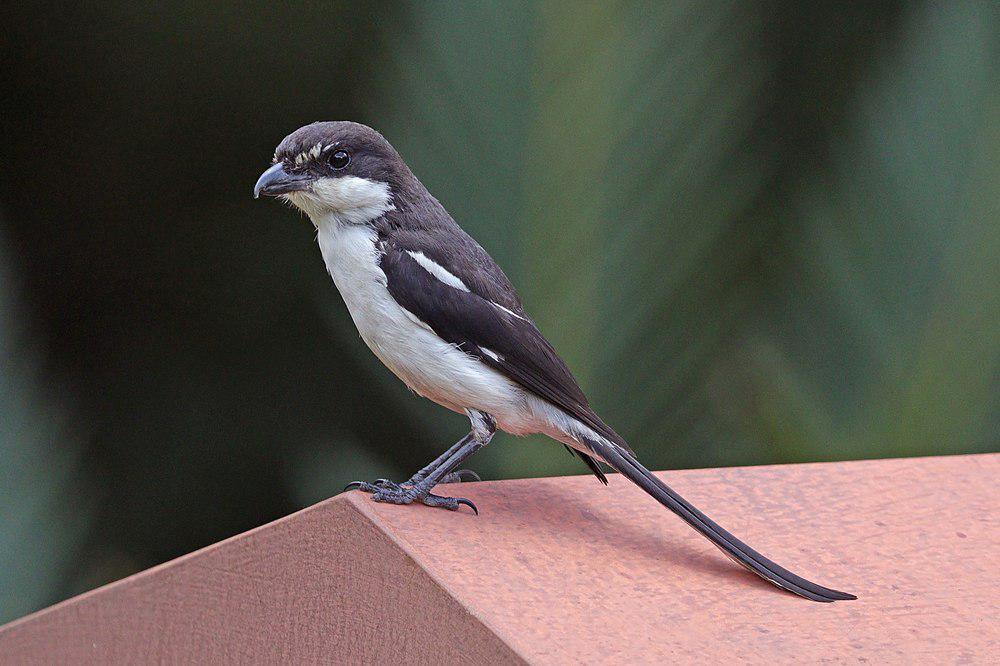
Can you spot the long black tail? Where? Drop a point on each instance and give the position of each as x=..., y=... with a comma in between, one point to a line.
x=626, y=464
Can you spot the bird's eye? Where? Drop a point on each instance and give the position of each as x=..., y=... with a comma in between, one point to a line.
x=340, y=159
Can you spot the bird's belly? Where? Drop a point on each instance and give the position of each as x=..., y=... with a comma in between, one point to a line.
x=445, y=374
x=425, y=362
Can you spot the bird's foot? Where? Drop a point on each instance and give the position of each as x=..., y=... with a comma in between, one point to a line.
x=383, y=490
x=457, y=476
x=374, y=486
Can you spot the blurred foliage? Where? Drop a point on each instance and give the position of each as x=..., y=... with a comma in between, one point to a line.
x=44, y=508
x=758, y=232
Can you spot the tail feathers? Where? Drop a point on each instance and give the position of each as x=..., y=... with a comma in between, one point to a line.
x=594, y=466
x=625, y=463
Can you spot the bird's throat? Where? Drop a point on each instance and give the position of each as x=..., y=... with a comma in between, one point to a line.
x=344, y=200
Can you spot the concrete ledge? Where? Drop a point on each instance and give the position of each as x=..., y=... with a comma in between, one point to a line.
x=565, y=570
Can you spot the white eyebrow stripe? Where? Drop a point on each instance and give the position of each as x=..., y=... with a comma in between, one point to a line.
x=492, y=354
x=508, y=311
x=437, y=270
x=310, y=154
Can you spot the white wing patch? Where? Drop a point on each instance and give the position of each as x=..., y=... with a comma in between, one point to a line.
x=492, y=354
x=510, y=312
x=445, y=276
x=437, y=270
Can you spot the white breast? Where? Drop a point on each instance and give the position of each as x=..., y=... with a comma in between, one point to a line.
x=427, y=364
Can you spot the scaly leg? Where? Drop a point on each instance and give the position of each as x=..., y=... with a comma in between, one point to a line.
x=440, y=470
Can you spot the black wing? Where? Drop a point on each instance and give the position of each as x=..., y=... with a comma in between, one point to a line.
x=514, y=345
x=463, y=257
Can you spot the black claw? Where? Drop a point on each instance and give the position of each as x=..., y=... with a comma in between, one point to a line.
x=460, y=476
x=353, y=485
x=468, y=503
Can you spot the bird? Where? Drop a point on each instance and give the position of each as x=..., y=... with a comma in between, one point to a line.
x=440, y=314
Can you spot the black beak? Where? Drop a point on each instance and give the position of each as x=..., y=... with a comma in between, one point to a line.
x=277, y=181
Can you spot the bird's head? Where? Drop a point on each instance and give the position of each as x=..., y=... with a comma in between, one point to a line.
x=336, y=170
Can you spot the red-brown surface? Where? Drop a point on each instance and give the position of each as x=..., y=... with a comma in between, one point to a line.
x=562, y=570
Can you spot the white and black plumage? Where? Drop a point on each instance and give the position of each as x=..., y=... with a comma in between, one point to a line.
x=438, y=312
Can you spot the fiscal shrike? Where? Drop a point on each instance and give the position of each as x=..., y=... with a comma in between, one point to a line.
x=440, y=314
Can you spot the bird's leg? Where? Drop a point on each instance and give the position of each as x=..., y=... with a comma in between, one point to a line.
x=483, y=428
x=450, y=477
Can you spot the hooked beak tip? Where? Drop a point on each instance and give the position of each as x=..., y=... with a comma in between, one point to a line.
x=277, y=181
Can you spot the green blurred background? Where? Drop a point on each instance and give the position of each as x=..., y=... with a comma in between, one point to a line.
x=759, y=232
